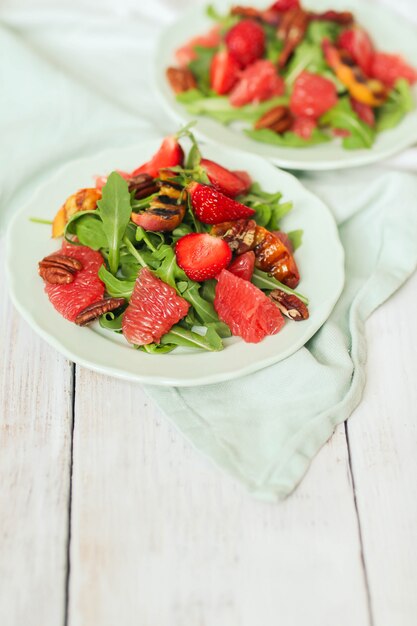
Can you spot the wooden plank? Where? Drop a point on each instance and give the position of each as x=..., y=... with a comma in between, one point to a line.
x=383, y=442
x=160, y=537
x=35, y=437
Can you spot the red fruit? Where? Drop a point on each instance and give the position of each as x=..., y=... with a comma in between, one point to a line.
x=312, y=95
x=245, y=178
x=224, y=71
x=185, y=54
x=102, y=180
x=243, y=265
x=153, y=309
x=388, y=68
x=247, y=311
x=202, y=256
x=213, y=207
x=169, y=154
x=357, y=42
x=246, y=42
x=87, y=288
x=340, y=132
x=257, y=83
x=363, y=111
x=303, y=127
x=285, y=5
x=229, y=183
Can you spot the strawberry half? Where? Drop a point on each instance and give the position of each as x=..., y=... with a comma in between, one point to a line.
x=169, y=154
x=224, y=70
x=246, y=42
x=229, y=183
x=357, y=42
x=213, y=207
x=202, y=256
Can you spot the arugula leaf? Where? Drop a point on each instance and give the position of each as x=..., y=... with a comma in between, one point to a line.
x=219, y=107
x=296, y=238
x=114, y=209
x=343, y=116
x=307, y=56
x=115, y=287
x=88, y=228
x=200, y=66
x=180, y=336
x=399, y=103
x=110, y=321
x=266, y=282
x=156, y=348
x=288, y=139
x=226, y=21
x=320, y=29
x=273, y=45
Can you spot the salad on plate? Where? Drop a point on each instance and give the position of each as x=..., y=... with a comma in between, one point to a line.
x=179, y=252
x=290, y=76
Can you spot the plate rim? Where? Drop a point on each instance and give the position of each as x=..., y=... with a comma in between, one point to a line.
x=163, y=380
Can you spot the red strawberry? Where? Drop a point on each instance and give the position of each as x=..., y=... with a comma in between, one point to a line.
x=202, y=256
x=224, y=71
x=246, y=42
x=357, y=42
x=243, y=265
x=388, y=68
x=303, y=127
x=185, y=54
x=213, y=207
x=169, y=154
x=285, y=5
x=312, y=95
x=223, y=179
x=245, y=178
x=257, y=83
x=363, y=111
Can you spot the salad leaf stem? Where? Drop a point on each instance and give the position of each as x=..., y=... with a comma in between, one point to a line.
x=134, y=252
x=39, y=220
x=266, y=282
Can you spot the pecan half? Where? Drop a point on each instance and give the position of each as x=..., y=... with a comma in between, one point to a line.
x=143, y=185
x=239, y=235
x=292, y=29
x=58, y=269
x=181, y=79
x=278, y=119
x=290, y=305
x=95, y=310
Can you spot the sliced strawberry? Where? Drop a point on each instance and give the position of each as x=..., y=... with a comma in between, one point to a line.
x=257, y=83
x=357, y=42
x=224, y=71
x=169, y=154
x=312, y=95
x=285, y=5
x=213, y=207
x=185, y=54
x=223, y=179
x=364, y=112
x=246, y=42
x=243, y=265
x=245, y=178
x=303, y=126
x=388, y=68
x=202, y=256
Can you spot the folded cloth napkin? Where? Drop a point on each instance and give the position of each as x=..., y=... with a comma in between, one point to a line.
x=263, y=429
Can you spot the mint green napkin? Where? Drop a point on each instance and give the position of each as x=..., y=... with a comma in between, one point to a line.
x=263, y=429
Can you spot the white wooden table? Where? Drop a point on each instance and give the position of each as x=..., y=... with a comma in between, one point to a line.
x=109, y=518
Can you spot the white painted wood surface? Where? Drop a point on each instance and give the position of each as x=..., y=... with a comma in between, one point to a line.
x=158, y=537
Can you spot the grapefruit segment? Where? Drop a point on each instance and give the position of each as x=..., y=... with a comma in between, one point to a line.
x=247, y=311
x=152, y=311
x=86, y=288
